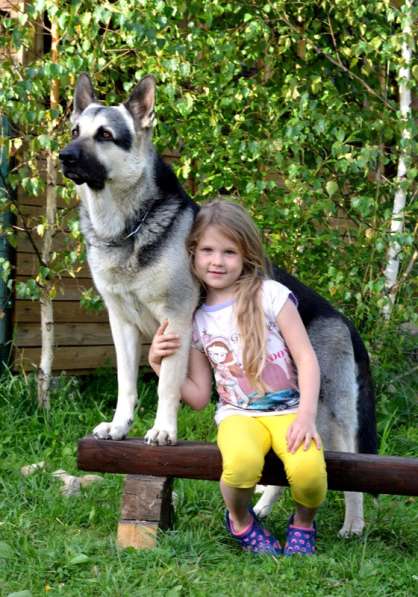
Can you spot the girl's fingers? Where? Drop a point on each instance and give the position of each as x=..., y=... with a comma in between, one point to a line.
x=293, y=441
x=317, y=441
x=162, y=328
x=165, y=350
x=167, y=341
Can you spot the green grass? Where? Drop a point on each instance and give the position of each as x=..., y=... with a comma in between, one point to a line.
x=55, y=545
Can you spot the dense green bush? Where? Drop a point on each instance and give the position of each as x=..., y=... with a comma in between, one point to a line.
x=290, y=108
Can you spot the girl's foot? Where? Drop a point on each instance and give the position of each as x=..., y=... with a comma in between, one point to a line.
x=255, y=538
x=300, y=540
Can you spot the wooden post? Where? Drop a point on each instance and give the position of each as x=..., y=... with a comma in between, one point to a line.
x=146, y=507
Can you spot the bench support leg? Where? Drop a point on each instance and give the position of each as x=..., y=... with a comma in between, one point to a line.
x=146, y=507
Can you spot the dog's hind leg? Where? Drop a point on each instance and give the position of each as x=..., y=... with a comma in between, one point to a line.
x=354, y=514
x=337, y=419
x=126, y=340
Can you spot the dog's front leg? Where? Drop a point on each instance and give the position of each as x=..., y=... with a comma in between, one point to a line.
x=172, y=375
x=127, y=346
x=270, y=494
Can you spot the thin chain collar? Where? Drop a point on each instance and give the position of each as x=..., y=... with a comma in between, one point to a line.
x=114, y=243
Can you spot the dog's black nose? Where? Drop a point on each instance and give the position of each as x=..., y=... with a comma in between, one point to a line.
x=70, y=155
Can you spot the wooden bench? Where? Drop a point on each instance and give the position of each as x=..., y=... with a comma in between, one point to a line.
x=147, y=499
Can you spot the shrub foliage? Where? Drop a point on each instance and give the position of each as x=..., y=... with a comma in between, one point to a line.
x=288, y=107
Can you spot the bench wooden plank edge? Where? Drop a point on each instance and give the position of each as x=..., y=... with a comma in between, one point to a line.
x=199, y=460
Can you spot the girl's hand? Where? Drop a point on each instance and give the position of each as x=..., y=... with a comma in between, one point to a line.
x=302, y=430
x=163, y=345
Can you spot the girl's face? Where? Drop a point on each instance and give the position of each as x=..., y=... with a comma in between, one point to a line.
x=218, y=264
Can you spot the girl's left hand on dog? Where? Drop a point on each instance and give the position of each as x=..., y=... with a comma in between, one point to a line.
x=302, y=431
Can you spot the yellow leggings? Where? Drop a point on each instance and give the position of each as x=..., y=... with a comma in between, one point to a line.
x=244, y=443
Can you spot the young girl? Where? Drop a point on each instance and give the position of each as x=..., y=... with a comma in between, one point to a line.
x=249, y=332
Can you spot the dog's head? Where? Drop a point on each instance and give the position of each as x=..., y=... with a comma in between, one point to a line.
x=108, y=140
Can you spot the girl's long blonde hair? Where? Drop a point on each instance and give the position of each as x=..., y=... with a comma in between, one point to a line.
x=235, y=223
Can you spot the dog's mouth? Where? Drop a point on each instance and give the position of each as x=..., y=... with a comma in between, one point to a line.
x=75, y=176
x=80, y=178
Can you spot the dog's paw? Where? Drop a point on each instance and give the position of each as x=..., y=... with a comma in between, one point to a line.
x=160, y=437
x=270, y=494
x=262, y=510
x=352, y=527
x=111, y=431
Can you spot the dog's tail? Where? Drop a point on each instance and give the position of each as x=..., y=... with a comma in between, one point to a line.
x=367, y=430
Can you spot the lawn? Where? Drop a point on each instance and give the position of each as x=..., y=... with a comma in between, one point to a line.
x=56, y=545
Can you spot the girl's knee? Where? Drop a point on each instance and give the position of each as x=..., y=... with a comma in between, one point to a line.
x=308, y=481
x=309, y=490
x=243, y=472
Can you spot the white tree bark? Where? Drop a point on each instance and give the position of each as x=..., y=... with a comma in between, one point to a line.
x=47, y=311
x=47, y=352
x=398, y=216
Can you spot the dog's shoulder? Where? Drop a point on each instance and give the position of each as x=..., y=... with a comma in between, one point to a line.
x=169, y=185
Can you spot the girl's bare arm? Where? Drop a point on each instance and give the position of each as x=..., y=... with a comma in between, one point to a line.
x=196, y=388
x=294, y=333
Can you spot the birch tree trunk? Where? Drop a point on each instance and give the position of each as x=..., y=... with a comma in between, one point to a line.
x=47, y=310
x=398, y=216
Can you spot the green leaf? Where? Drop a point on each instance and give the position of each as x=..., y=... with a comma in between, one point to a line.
x=81, y=558
x=331, y=187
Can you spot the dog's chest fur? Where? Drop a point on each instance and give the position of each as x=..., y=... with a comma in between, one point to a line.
x=150, y=268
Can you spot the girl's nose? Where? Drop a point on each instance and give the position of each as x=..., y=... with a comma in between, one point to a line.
x=217, y=259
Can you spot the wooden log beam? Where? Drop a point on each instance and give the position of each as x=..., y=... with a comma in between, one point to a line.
x=198, y=460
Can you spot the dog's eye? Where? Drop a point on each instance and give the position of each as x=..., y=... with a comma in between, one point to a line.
x=75, y=132
x=106, y=135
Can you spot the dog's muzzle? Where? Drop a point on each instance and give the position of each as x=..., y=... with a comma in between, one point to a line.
x=82, y=168
x=70, y=159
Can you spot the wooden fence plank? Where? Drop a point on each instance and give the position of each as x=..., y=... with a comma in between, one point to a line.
x=65, y=334
x=69, y=289
x=72, y=358
x=67, y=358
x=61, y=241
x=27, y=265
x=64, y=312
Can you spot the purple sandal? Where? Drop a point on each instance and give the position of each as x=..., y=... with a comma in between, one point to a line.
x=300, y=540
x=256, y=539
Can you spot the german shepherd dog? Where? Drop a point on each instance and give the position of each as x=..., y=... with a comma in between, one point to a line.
x=135, y=217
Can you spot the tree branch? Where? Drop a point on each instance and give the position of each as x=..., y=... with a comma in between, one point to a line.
x=338, y=63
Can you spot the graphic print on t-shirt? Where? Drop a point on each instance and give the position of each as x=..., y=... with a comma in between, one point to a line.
x=234, y=387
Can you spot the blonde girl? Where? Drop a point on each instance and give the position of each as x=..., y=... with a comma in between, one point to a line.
x=257, y=321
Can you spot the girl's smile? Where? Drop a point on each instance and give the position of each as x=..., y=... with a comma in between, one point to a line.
x=218, y=264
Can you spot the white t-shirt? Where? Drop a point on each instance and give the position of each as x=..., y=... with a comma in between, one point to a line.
x=216, y=334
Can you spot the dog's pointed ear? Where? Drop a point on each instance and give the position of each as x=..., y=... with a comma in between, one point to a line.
x=141, y=103
x=84, y=94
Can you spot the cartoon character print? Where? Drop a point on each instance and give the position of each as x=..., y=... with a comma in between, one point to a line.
x=227, y=372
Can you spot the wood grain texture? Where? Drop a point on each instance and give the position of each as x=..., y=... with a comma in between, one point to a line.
x=196, y=460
